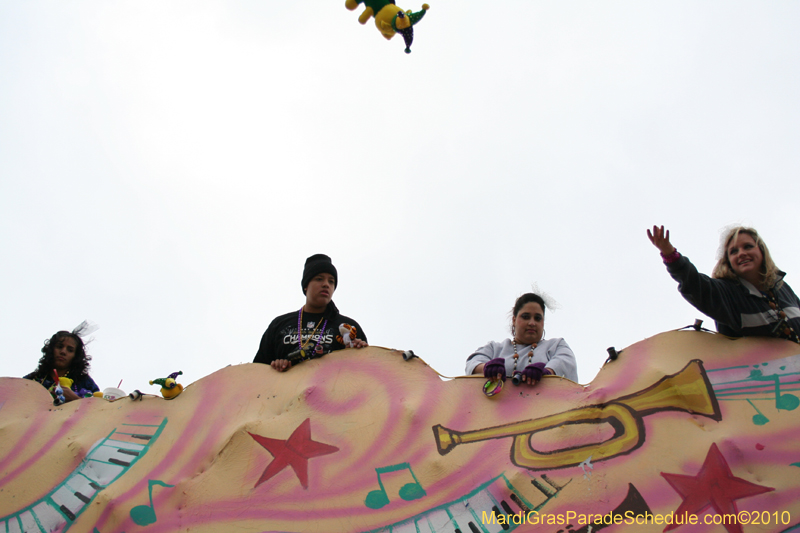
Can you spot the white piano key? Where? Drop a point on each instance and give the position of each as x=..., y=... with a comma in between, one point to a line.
x=437, y=521
x=405, y=527
x=114, y=454
x=28, y=523
x=49, y=519
x=82, y=487
x=68, y=502
x=479, y=503
x=139, y=448
x=13, y=525
x=101, y=473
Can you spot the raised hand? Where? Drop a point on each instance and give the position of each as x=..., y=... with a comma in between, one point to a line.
x=660, y=239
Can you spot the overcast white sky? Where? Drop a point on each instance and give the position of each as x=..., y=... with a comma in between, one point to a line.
x=167, y=166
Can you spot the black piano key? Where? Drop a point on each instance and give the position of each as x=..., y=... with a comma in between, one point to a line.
x=552, y=483
x=498, y=513
x=520, y=504
x=128, y=452
x=544, y=490
x=83, y=498
x=506, y=507
x=67, y=512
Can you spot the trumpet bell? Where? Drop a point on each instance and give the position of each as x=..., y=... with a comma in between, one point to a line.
x=688, y=390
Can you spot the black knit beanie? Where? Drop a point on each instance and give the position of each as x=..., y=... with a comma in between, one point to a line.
x=318, y=264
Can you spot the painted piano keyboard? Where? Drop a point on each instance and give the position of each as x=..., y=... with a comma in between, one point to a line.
x=109, y=459
x=465, y=515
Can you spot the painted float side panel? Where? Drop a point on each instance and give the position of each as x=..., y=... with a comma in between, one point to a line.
x=681, y=425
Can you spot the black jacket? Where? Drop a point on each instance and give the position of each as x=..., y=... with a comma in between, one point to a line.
x=738, y=308
x=321, y=333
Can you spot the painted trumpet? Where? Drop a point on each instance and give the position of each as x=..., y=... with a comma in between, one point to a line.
x=688, y=390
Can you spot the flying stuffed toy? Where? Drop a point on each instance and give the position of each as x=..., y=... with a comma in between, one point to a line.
x=389, y=18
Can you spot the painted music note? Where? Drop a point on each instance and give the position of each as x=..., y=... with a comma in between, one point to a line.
x=760, y=419
x=748, y=383
x=144, y=515
x=787, y=402
x=410, y=491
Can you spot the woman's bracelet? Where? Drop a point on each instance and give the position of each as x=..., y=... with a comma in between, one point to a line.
x=672, y=257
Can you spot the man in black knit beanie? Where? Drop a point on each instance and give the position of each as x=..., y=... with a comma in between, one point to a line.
x=315, y=329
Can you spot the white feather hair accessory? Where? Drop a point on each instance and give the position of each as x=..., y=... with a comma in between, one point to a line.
x=549, y=302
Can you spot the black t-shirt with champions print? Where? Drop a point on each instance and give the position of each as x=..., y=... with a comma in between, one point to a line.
x=281, y=338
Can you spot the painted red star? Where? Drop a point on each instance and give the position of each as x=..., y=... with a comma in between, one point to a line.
x=294, y=451
x=714, y=486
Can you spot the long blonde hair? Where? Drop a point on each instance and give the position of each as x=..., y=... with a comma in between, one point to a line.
x=769, y=271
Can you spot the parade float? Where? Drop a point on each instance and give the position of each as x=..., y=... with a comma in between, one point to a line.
x=683, y=424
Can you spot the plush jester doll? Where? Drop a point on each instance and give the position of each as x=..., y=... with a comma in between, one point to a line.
x=389, y=18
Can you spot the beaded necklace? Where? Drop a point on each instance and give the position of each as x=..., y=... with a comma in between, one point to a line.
x=516, y=355
x=301, y=344
x=782, y=329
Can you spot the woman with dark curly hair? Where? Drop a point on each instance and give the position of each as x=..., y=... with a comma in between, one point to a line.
x=64, y=356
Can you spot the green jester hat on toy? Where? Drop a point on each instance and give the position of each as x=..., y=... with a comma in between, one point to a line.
x=389, y=18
